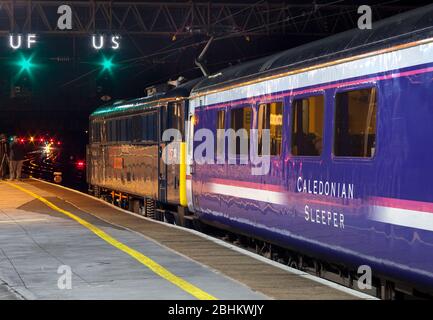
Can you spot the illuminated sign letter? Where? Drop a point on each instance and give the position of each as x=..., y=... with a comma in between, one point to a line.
x=65, y=20
x=15, y=44
x=115, y=42
x=100, y=45
x=31, y=39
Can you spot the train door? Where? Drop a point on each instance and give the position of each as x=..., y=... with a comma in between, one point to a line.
x=189, y=138
x=162, y=166
x=175, y=121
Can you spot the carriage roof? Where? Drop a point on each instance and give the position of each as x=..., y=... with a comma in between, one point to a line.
x=126, y=106
x=403, y=28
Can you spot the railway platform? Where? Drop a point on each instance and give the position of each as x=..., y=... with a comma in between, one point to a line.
x=58, y=243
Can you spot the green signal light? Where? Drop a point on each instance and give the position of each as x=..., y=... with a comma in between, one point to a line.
x=25, y=64
x=107, y=64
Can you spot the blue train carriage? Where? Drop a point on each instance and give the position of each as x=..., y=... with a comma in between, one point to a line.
x=124, y=155
x=350, y=173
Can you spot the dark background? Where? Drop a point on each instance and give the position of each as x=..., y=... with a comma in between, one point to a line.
x=66, y=82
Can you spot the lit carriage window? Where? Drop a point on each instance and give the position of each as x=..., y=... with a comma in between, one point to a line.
x=270, y=118
x=355, y=123
x=220, y=125
x=241, y=120
x=307, y=126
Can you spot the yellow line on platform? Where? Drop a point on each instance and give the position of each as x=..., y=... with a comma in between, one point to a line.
x=151, y=264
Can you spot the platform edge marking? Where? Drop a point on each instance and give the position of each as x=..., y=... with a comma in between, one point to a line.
x=148, y=262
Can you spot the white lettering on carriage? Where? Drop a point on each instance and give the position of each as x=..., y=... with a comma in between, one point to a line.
x=324, y=217
x=326, y=188
x=327, y=217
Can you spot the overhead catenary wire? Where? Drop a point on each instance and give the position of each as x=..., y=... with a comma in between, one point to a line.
x=169, y=50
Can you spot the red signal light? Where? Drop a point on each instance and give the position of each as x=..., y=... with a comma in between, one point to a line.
x=21, y=140
x=80, y=164
x=59, y=143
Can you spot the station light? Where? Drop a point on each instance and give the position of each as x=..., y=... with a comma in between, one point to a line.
x=194, y=120
x=47, y=149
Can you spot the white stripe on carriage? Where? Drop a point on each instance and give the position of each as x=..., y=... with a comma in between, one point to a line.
x=402, y=217
x=268, y=196
x=394, y=60
x=396, y=216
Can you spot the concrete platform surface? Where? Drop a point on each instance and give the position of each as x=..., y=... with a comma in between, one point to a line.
x=36, y=241
x=40, y=244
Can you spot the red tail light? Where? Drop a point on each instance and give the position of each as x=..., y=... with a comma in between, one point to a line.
x=80, y=164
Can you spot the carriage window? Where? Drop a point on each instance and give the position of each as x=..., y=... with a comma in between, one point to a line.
x=96, y=132
x=150, y=127
x=241, y=120
x=355, y=123
x=220, y=125
x=118, y=131
x=125, y=129
x=271, y=118
x=136, y=128
x=111, y=128
x=307, y=126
